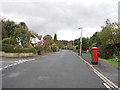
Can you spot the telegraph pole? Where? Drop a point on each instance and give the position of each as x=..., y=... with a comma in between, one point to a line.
x=119, y=14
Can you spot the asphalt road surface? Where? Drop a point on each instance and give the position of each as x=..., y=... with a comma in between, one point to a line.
x=56, y=70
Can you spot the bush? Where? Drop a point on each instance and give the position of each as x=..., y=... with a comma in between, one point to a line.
x=41, y=47
x=105, y=52
x=65, y=47
x=9, y=40
x=20, y=49
x=58, y=49
x=28, y=46
x=77, y=47
x=8, y=48
x=74, y=48
x=49, y=48
x=53, y=48
x=25, y=50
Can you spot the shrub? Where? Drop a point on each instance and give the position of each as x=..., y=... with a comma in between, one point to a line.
x=65, y=47
x=25, y=50
x=105, y=52
x=8, y=48
x=41, y=47
x=71, y=48
x=28, y=46
x=17, y=49
x=57, y=49
x=54, y=48
x=9, y=40
x=49, y=48
x=74, y=48
x=20, y=49
x=77, y=47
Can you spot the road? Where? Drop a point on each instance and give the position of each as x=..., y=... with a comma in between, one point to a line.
x=61, y=69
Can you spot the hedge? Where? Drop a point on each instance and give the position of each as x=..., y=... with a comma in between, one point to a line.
x=8, y=48
x=9, y=40
x=17, y=49
x=54, y=48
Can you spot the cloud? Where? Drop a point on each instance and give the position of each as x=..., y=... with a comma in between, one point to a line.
x=57, y=16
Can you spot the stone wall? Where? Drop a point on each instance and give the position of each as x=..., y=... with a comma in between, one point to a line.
x=3, y=54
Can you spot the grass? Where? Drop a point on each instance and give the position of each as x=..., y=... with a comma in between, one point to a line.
x=88, y=54
x=112, y=61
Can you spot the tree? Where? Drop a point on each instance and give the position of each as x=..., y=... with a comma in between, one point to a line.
x=64, y=42
x=110, y=35
x=23, y=24
x=85, y=43
x=77, y=42
x=8, y=28
x=48, y=39
x=22, y=36
x=55, y=37
x=95, y=40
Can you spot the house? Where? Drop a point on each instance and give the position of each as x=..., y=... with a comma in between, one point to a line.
x=36, y=39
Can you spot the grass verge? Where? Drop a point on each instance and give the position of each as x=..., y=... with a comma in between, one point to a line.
x=112, y=61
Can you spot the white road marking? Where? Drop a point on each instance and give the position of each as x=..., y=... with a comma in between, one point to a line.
x=32, y=59
x=6, y=67
x=10, y=65
x=110, y=83
x=107, y=86
x=17, y=62
x=1, y=68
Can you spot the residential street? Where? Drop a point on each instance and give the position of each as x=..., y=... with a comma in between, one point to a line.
x=55, y=70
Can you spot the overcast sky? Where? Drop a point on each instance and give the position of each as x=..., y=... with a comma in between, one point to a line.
x=62, y=17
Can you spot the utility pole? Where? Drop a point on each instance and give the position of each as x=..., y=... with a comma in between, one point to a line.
x=80, y=42
x=119, y=14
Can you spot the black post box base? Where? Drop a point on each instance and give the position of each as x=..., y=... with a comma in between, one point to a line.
x=94, y=62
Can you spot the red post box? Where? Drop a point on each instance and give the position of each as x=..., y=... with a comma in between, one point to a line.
x=94, y=55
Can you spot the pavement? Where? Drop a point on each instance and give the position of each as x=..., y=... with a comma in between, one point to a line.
x=61, y=69
x=106, y=69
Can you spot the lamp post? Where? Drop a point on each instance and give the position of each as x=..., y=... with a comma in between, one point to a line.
x=81, y=42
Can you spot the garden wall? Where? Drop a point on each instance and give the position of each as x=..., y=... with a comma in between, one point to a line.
x=15, y=55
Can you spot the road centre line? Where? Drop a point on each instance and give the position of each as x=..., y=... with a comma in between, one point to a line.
x=110, y=83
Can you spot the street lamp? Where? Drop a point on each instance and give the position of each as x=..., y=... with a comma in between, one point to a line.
x=81, y=42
